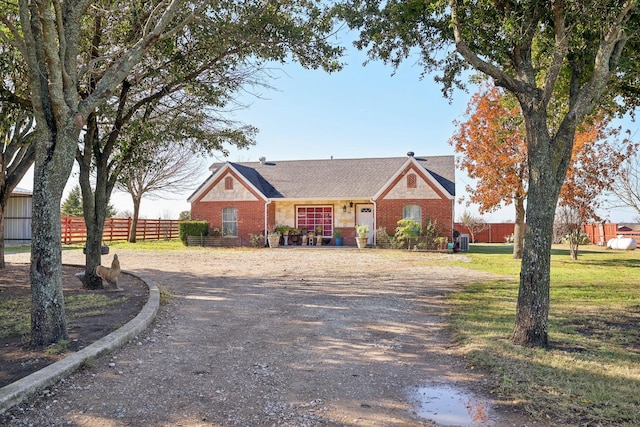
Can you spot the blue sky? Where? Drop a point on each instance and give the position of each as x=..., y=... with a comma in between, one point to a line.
x=357, y=112
x=361, y=111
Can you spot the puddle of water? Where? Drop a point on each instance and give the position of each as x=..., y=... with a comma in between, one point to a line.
x=451, y=406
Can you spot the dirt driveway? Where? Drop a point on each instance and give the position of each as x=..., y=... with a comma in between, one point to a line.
x=282, y=337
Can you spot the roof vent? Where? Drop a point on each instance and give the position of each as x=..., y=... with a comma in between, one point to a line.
x=410, y=153
x=263, y=160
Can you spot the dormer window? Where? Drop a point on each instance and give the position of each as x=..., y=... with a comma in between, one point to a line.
x=412, y=181
x=228, y=183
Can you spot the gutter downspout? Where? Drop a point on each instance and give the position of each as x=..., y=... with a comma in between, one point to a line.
x=375, y=215
x=453, y=218
x=266, y=226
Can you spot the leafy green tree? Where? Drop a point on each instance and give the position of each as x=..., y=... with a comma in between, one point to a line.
x=72, y=205
x=51, y=39
x=17, y=149
x=74, y=69
x=181, y=91
x=17, y=153
x=585, y=50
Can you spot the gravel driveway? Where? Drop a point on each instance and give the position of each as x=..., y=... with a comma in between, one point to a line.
x=282, y=337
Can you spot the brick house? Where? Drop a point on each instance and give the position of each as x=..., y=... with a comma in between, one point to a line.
x=248, y=198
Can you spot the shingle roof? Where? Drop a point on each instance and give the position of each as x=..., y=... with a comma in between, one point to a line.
x=336, y=178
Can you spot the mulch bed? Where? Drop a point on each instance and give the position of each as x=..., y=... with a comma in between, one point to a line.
x=18, y=359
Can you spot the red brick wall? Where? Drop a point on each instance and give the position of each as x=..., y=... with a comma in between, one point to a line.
x=390, y=211
x=250, y=217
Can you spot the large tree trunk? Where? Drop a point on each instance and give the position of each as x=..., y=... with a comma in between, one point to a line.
x=574, y=243
x=4, y=199
x=94, y=217
x=54, y=160
x=2, y=263
x=548, y=161
x=134, y=220
x=518, y=230
x=531, y=327
x=94, y=202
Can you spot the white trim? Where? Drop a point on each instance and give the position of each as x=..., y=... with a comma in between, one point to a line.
x=375, y=222
x=419, y=167
x=266, y=219
x=219, y=173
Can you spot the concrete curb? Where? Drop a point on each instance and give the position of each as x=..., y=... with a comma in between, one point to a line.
x=16, y=392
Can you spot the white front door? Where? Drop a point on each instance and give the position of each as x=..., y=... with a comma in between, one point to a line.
x=364, y=215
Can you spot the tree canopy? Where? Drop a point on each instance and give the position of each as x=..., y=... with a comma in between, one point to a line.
x=493, y=150
x=70, y=80
x=183, y=90
x=587, y=50
x=17, y=151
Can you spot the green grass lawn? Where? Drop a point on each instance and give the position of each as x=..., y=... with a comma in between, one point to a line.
x=590, y=375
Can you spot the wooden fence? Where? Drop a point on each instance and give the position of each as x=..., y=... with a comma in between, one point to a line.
x=600, y=234
x=75, y=231
x=491, y=232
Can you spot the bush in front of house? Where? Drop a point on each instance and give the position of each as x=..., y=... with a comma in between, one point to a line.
x=193, y=228
x=408, y=231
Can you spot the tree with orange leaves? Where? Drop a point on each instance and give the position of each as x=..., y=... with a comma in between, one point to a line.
x=493, y=143
x=494, y=152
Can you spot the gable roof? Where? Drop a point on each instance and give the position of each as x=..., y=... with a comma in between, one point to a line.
x=334, y=178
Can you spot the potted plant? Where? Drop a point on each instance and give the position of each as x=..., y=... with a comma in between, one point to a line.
x=362, y=231
x=274, y=239
x=283, y=230
x=337, y=235
x=294, y=236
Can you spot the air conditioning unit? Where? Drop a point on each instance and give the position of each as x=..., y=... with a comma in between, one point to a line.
x=464, y=242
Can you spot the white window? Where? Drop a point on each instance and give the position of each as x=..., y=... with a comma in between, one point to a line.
x=230, y=222
x=413, y=212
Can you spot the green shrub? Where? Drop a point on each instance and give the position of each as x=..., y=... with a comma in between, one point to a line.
x=431, y=232
x=407, y=231
x=362, y=230
x=257, y=240
x=193, y=228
